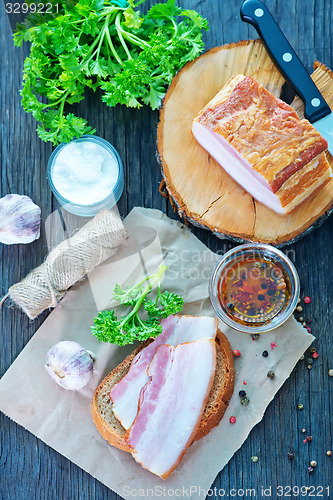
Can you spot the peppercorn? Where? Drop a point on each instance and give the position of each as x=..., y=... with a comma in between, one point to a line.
x=308, y=329
x=255, y=336
x=245, y=400
x=301, y=319
x=313, y=463
x=309, y=361
x=330, y=372
x=302, y=357
x=315, y=355
x=309, y=438
x=271, y=374
x=299, y=308
x=291, y=456
x=242, y=394
x=232, y=420
x=313, y=350
x=236, y=353
x=329, y=453
x=300, y=406
x=265, y=354
x=309, y=367
x=307, y=300
x=281, y=286
x=303, y=430
x=310, y=470
x=254, y=459
x=298, y=301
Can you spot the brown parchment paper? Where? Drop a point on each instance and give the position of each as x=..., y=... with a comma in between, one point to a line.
x=62, y=418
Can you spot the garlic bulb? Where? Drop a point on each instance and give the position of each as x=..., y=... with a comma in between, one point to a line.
x=19, y=219
x=69, y=364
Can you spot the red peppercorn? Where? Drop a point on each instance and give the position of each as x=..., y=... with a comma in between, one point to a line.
x=232, y=420
x=236, y=353
x=244, y=383
x=307, y=300
x=308, y=329
x=315, y=355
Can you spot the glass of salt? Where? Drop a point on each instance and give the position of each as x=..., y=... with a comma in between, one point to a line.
x=86, y=175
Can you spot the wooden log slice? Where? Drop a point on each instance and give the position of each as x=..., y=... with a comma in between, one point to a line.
x=199, y=187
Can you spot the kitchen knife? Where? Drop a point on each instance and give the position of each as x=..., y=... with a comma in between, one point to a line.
x=317, y=111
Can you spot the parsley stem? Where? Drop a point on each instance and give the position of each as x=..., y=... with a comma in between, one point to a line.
x=113, y=50
x=101, y=38
x=129, y=36
x=122, y=41
x=175, y=27
x=134, y=39
x=158, y=295
x=140, y=321
x=62, y=100
x=111, y=10
x=154, y=278
x=137, y=305
x=61, y=109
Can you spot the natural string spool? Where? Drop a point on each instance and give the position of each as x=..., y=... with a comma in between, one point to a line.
x=68, y=263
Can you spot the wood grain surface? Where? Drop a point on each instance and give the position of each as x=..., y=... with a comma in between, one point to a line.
x=29, y=469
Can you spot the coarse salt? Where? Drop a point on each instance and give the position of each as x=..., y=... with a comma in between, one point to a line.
x=85, y=172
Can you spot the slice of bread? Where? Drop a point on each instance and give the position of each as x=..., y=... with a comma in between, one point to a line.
x=223, y=385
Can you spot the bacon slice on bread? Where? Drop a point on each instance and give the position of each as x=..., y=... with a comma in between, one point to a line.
x=171, y=404
x=220, y=387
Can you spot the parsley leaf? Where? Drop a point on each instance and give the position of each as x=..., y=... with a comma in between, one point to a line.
x=131, y=327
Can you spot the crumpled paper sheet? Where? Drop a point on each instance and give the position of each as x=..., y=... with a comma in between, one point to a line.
x=62, y=418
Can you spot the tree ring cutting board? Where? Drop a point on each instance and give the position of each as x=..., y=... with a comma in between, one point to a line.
x=199, y=187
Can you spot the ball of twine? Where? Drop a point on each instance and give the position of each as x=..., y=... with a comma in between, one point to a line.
x=68, y=263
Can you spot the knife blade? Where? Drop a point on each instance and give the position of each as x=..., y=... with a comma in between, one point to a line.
x=317, y=111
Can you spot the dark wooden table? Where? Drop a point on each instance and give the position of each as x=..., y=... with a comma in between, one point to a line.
x=29, y=469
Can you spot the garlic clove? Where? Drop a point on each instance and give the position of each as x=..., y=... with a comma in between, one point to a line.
x=19, y=219
x=69, y=364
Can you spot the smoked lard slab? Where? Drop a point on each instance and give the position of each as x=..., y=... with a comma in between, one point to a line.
x=262, y=144
x=198, y=188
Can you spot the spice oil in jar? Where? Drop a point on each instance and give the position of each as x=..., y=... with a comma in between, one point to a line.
x=254, y=290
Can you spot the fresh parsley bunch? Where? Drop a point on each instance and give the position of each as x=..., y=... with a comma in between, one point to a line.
x=131, y=327
x=109, y=44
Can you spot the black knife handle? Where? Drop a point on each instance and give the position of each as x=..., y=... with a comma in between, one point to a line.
x=283, y=55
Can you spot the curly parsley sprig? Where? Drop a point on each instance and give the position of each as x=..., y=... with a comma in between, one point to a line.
x=109, y=44
x=131, y=327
